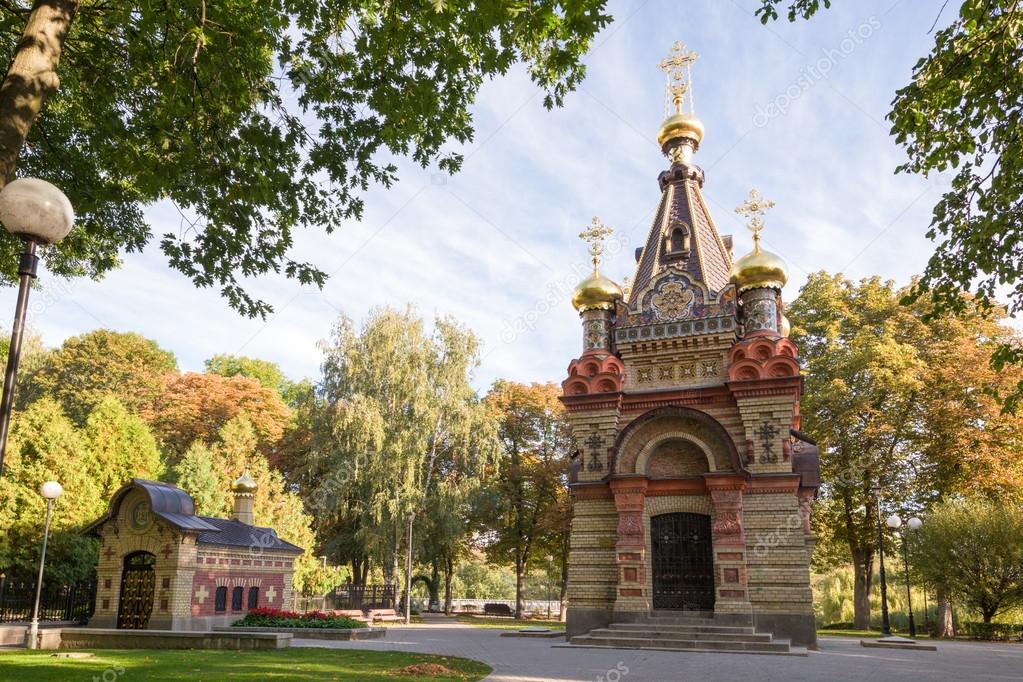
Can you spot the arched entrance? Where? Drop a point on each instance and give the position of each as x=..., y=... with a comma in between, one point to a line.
x=682, y=562
x=138, y=583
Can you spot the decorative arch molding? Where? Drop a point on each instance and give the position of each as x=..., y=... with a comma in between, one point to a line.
x=642, y=459
x=685, y=422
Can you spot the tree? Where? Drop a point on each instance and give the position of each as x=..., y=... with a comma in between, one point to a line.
x=400, y=426
x=87, y=368
x=254, y=119
x=973, y=550
x=517, y=512
x=121, y=446
x=961, y=111
x=195, y=407
x=901, y=407
x=45, y=446
x=267, y=373
x=196, y=473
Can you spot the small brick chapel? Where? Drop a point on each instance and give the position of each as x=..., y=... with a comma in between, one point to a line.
x=692, y=483
x=162, y=567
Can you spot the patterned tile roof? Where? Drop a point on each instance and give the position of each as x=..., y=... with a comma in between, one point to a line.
x=682, y=201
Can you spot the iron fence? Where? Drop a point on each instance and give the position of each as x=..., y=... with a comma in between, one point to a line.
x=363, y=597
x=75, y=602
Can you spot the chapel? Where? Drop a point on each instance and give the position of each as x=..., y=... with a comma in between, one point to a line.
x=692, y=485
x=163, y=567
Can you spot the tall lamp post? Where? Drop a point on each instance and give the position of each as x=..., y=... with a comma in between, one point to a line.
x=51, y=490
x=895, y=523
x=39, y=214
x=886, y=629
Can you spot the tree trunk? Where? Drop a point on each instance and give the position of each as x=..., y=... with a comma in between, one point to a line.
x=449, y=569
x=863, y=565
x=520, y=586
x=434, y=605
x=944, y=626
x=31, y=76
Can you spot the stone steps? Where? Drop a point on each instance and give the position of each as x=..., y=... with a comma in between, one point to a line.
x=684, y=633
x=681, y=644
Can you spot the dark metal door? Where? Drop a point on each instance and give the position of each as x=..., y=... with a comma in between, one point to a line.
x=683, y=562
x=138, y=583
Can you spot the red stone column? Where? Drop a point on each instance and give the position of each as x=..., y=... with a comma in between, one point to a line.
x=730, y=572
x=630, y=546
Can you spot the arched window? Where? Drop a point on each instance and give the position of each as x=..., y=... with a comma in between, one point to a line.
x=253, y=597
x=236, y=598
x=677, y=241
x=220, y=602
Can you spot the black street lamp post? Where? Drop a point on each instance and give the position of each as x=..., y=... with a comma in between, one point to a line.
x=39, y=214
x=886, y=629
x=894, y=522
x=550, y=564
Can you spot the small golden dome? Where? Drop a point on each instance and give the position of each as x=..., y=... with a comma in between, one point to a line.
x=680, y=125
x=786, y=327
x=596, y=292
x=244, y=484
x=759, y=270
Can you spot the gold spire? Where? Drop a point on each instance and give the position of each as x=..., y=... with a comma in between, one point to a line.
x=681, y=124
x=758, y=269
x=754, y=209
x=594, y=235
x=596, y=292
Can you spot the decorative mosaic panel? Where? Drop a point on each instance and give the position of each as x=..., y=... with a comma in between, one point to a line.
x=675, y=296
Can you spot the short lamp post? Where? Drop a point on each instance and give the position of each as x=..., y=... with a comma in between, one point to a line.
x=39, y=214
x=51, y=490
x=895, y=523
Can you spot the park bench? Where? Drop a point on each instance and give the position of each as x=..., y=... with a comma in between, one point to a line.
x=385, y=615
x=354, y=614
x=497, y=610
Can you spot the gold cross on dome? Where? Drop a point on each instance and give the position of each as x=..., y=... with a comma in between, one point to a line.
x=594, y=235
x=754, y=209
x=677, y=67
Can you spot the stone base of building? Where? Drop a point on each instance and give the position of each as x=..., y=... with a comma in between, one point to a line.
x=800, y=628
x=176, y=623
x=580, y=621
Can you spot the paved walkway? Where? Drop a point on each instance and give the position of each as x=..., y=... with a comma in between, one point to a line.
x=840, y=659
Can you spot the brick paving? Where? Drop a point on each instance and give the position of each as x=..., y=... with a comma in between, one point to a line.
x=516, y=659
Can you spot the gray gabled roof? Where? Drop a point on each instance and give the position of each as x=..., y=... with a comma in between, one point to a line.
x=175, y=506
x=237, y=534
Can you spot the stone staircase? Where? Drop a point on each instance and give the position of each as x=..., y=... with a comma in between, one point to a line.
x=691, y=632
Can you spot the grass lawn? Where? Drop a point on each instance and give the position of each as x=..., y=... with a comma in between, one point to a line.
x=868, y=634
x=507, y=623
x=297, y=665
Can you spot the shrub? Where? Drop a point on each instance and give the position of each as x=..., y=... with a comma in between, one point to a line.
x=277, y=618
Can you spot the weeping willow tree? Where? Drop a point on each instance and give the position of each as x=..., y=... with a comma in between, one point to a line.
x=402, y=428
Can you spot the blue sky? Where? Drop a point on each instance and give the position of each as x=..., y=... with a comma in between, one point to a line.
x=796, y=110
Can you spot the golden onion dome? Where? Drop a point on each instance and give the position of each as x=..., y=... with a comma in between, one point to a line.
x=759, y=269
x=680, y=125
x=244, y=484
x=786, y=327
x=596, y=292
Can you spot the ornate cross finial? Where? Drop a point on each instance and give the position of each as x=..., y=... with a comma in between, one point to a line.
x=677, y=68
x=595, y=235
x=754, y=209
